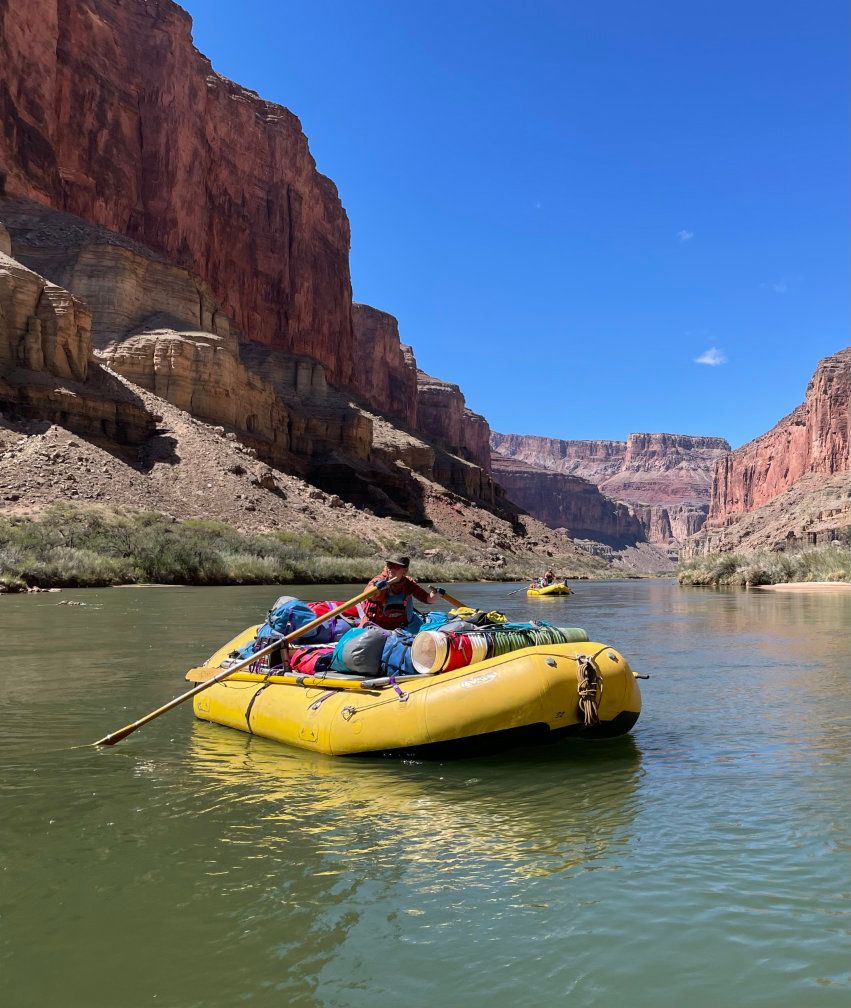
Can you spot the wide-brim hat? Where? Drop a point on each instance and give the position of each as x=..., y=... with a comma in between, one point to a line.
x=400, y=561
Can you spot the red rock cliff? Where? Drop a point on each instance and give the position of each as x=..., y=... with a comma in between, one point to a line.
x=665, y=477
x=110, y=112
x=814, y=438
x=645, y=469
x=442, y=414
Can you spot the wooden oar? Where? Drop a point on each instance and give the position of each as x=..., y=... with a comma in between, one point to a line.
x=200, y=675
x=444, y=594
x=517, y=591
x=122, y=733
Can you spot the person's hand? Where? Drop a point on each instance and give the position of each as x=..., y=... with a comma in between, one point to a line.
x=432, y=596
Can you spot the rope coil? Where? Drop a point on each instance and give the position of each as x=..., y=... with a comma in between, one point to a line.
x=589, y=685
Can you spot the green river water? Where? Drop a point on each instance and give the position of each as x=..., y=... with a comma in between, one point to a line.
x=703, y=860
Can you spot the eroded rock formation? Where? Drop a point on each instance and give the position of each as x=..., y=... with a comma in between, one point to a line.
x=814, y=438
x=667, y=523
x=162, y=328
x=665, y=469
x=568, y=502
x=46, y=366
x=592, y=460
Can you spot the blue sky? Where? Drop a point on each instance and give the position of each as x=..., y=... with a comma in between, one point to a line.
x=566, y=204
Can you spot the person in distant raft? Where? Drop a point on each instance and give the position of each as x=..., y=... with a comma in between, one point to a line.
x=549, y=577
x=393, y=607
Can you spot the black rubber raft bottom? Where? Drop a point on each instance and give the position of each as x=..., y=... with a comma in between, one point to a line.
x=511, y=738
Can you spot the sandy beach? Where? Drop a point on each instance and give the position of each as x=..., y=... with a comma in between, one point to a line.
x=806, y=586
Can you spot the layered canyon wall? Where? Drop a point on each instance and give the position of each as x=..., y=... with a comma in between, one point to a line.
x=665, y=469
x=385, y=372
x=592, y=460
x=442, y=414
x=217, y=233
x=665, y=478
x=162, y=328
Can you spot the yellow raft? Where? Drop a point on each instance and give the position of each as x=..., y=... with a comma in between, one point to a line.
x=525, y=697
x=559, y=588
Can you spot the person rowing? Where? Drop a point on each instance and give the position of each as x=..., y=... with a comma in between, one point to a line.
x=393, y=606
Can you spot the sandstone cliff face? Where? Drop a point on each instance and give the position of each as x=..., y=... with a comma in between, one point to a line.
x=814, y=438
x=46, y=366
x=110, y=112
x=442, y=414
x=568, y=502
x=385, y=371
x=814, y=511
x=42, y=327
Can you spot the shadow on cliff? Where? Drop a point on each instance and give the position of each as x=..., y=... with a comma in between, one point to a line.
x=387, y=492
x=101, y=409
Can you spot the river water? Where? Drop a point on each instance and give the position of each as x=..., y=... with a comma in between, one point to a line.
x=703, y=860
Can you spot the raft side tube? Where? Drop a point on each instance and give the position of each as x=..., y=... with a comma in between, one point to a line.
x=534, y=686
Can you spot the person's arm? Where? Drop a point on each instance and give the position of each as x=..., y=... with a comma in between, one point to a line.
x=419, y=592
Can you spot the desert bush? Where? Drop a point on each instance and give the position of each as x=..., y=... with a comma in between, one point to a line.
x=73, y=546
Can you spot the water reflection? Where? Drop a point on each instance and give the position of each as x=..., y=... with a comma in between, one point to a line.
x=534, y=814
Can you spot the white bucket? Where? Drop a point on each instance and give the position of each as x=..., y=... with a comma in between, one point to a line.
x=429, y=652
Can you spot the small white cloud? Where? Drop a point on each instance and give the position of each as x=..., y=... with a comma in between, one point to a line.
x=713, y=357
x=780, y=287
x=685, y=236
x=538, y=206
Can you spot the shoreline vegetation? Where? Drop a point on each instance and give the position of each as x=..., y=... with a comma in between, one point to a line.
x=816, y=564
x=68, y=546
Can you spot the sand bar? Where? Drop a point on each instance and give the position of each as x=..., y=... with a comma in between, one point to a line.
x=806, y=586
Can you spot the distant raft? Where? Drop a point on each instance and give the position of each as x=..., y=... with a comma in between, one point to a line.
x=559, y=588
x=535, y=694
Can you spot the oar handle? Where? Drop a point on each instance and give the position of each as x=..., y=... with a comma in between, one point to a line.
x=122, y=733
x=444, y=594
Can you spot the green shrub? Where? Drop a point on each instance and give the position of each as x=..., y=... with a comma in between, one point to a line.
x=817, y=563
